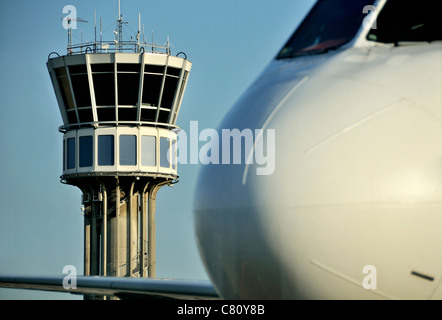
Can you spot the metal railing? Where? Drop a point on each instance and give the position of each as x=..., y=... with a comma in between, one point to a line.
x=66, y=127
x=115, y=46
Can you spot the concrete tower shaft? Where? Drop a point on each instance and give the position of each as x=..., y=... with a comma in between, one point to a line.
x=119, y=225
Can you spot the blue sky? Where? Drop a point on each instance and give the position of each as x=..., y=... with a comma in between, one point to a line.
x=229, y=43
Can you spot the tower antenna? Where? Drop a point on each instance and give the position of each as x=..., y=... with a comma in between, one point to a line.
x=119, y=31
x=95, y=28
x=70, y=32
x=139, y=31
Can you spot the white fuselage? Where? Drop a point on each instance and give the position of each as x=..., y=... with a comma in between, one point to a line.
x=353, y=209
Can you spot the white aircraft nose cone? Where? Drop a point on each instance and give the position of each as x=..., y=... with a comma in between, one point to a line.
x=356, y=182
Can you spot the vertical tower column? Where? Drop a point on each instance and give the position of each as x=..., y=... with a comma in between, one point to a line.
x=133, y=234
x=143, y=231
x=104, y=231
x=91, y=231
x=87, y=242
x=152, y=228
x=95, y=235
x=152, y=234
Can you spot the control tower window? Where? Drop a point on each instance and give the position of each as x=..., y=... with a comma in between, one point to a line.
x=329, y=25
x=106, y=114
x=153, y=79
x=64, y=155
x=163, y=116
x=127, y=114
x=106, y=150
x=128, y=150
x=170, y=87
x=164, y=152
x=80, y=85
x=128, y=78
x=86, y=151
x=174, y=154
x=85, y=115
x=66, y=94
x=70, y=153
x=406, y=20
x=181, y=92
x=148, y=151
x=128, y=83
x=104, y=83
x=148, y=114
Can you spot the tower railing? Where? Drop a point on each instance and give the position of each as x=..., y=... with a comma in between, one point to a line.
x=66, y=127
x=115, y=46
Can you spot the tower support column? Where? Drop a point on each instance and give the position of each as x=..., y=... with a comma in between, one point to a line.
x=87, y=245
x=152, y=234
x=143, y=231
x=152, y=228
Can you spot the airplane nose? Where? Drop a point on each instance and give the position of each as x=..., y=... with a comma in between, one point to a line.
x=352, y=158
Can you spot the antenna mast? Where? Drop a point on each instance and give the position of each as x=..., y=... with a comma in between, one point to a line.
x=119, y=30
x=95, y=27
x=70, y=32
x=139, y=31
x=118, y=44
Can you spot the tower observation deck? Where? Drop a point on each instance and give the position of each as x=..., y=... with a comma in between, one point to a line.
x=119, y=101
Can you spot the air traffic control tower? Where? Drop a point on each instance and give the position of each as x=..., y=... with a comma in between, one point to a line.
x=119, y=101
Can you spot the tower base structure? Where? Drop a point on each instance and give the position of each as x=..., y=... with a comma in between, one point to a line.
x=119, y=224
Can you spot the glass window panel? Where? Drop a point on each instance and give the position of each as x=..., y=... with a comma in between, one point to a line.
x=164, y=152
x=106, y=150
x=128, y=150
x=148, y=151
x=127, y=114
x=86, y=151
x=151, y=89
x=404, y=20
x=85, y=115
x=174, y=154
x=80, y=85
x=106, y=114
x=173, y=71
x=128, y=84
x=183, y=84
x=169, y=92
x=129, y=67
x=102, y=67
x=329, y=25
x=70, y=153
x=66, y=94
x=64, y=155
x=104, y=86
x=148, y=114
x=153, y=68
x=72, y=117
x=76, y=69
x=164, y=116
